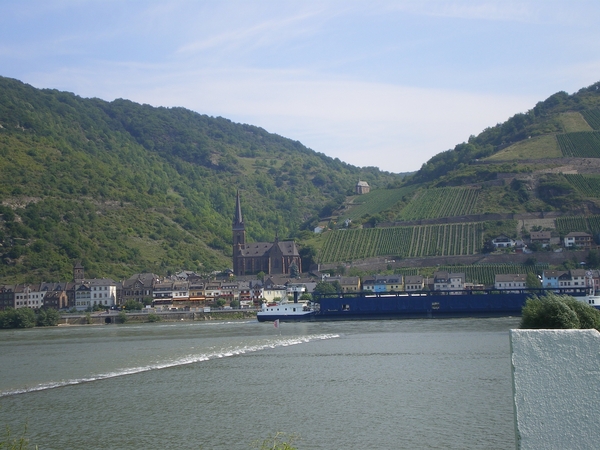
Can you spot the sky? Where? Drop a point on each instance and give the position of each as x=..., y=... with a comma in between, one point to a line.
x=374, y=83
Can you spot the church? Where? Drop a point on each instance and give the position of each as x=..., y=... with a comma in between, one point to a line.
x=272, y=258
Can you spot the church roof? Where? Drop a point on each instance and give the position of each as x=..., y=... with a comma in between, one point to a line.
x=287, y=248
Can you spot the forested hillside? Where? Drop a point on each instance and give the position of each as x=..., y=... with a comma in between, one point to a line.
x=127, y=187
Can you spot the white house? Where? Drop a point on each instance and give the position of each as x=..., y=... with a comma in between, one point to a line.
x=29, y=296
x=503, y=242
x=510, y=281
x=95, y=292
x=448, y=281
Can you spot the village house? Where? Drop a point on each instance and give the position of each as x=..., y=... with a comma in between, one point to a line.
x=7, y=296
x=387, y=283
x=448, y=281
x=56, y=295
x=543, y=238
x=138, y=287
x=503, y=241
x=101, y=292
x=578, y=239
x=29, y=296
x=563, y=279
x=162, y=293
x=510, y=281
x=414, y=283
x=348, y=284
x=196, y=290
x=274, y=292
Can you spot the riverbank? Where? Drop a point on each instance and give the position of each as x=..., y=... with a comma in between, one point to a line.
x=166, y=316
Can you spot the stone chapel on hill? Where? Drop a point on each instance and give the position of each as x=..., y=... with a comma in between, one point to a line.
x=273, y=258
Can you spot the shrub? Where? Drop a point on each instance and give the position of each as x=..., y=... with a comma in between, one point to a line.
x=559, y=312
x=17, y=318
x=122, y=317
x=47, y=318
x=153, y=317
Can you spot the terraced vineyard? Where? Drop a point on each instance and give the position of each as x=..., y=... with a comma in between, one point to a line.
x=583, y=144
x=441, y=202
x=592, y=117
x=587, y=185
x=404, y=242
x=485, y=273
x=376, y=201
x=590, y=224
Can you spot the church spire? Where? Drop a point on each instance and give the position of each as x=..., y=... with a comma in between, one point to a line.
x=238, y=221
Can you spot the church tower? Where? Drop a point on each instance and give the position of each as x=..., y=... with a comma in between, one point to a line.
x=239, y=233
x=78, y=273
x=239, y=230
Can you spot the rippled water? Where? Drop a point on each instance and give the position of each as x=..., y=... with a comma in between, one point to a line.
x=419, y=384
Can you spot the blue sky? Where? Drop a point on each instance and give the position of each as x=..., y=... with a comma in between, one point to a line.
x=378, y=83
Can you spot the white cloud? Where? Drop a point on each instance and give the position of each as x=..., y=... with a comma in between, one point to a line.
x=393, y=127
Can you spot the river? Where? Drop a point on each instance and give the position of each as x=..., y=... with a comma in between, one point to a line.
x=397, y=384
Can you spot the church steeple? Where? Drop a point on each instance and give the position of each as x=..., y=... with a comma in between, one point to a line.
x=238, y=228
x=238, y=222
x=239, y=236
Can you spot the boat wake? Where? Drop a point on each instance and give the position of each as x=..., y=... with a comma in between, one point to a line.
x=190, y=359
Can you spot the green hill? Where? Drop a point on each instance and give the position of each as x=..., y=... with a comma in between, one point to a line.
x=127, y=187
x=544, y=160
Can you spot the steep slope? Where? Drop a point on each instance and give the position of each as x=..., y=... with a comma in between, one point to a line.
x=545, y=162
x=128, y=187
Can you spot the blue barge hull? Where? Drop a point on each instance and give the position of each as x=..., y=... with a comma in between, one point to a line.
x=425, y=305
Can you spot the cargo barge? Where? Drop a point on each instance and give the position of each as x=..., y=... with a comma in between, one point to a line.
x=418, y=305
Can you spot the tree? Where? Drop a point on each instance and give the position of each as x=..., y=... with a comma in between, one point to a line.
x=548, y=312
x=133, y=305
x=122, y=317
x=294, y=272
x=47, y=318
x=554, y=311
x=325, y=287
x=17, y=318
x=153, y=317
x=593, y=259
x=532, y=280
x=488, y=247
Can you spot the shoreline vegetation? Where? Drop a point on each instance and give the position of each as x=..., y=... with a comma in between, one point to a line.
x=12, y=319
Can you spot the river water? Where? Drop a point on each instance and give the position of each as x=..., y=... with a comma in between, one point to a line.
x=405, y=384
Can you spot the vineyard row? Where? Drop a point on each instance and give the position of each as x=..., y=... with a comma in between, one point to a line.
x=405, y=242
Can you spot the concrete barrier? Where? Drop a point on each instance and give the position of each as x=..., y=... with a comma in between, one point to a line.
x=556, y=388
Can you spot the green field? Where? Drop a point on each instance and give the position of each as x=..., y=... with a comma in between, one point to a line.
x=403, y=242
x=539, y=147
x=441, y=202
x=573, y=121
x=585, y=144
x=375, y=202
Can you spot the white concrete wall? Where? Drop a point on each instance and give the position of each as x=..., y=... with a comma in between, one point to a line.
x=556, y=387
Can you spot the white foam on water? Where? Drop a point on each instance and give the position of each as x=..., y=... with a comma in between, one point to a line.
x=190, y=359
